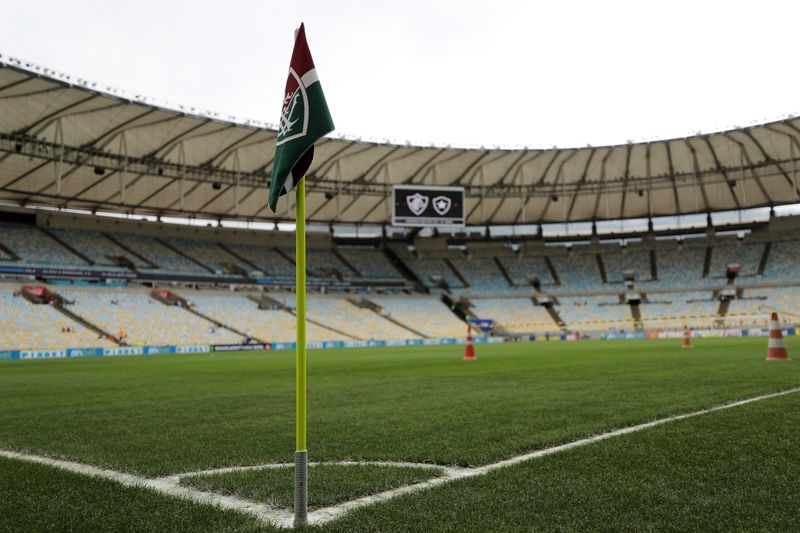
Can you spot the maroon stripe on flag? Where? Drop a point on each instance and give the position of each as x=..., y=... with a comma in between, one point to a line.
x=301, y=56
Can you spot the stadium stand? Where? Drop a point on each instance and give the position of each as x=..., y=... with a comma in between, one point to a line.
x=324, y=264
x=618, y=262
x=28, y=326
x=783, y=262
x=427, y=315
x=167, y=259
x=268, y=325
x=679, y=266
x=207, y=253
x=677, y=309
x=515, y=315
x=746, y=256
x=519, y=268
x=96, y=246
x=486, y=274
x=267, y=259
x=144, y=320
x=36, y=248
x=481, y=274
x=577, y=272
x=342, y=315
x=758, y=303
x=426, y=268
x=594, y=312
x=371, y=263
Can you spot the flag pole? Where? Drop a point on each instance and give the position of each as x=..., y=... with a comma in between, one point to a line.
x=301, y=454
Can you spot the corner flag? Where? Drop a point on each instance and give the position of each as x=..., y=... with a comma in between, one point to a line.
x=304, y=120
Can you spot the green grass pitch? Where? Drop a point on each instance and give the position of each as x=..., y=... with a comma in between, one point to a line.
x=162, y=415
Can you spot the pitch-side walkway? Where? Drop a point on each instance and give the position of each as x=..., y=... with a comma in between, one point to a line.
x=283, y=517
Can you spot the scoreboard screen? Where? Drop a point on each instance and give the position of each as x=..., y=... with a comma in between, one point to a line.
x=415, y=205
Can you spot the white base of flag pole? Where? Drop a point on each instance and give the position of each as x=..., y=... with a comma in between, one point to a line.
x=300, y=489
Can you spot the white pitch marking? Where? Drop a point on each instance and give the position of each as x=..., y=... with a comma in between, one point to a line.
x=170, y=485
x=265, y=466
x=167, y=485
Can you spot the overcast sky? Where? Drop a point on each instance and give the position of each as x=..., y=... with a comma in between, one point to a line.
x=457, y=72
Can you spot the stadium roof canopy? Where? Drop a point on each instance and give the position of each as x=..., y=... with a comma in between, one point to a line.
x=65, y=143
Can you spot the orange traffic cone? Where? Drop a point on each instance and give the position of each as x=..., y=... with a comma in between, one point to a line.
x=469, y=349
x=687, y=338
x=777, y=348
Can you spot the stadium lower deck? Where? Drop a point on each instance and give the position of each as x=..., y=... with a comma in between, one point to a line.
x=67, y=286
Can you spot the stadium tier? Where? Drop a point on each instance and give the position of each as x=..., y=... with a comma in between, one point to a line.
x=26, y=326
x=165, y=258
x=265, y=259
x=142, y=320
x=243, y=314
x=522, y=269
x=427, y=315
x=635, y=263
x=382, y=290
x=34, y=247
x=514, y=315
x=205, y=254
x=783, y=261
x=578, y=272
x=428, y=270
x=96, y=247
x=679, y=266
x=360, y=322
x=678, y=309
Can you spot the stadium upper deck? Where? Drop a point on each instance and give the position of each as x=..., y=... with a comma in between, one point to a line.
x=102, y=249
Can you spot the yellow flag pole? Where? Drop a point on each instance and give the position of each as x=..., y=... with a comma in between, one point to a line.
x=301, y=453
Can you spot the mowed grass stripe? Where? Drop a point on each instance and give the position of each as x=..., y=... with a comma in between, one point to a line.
x=167, y=414
x=730, y=470
x=37, y=497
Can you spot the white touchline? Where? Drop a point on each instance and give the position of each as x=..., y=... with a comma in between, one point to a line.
x=282, y=517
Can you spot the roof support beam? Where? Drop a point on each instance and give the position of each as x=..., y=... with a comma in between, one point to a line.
x=722, y=171
x=746, y=156
x=580, y=183
x=697, y=178
x=603, y=185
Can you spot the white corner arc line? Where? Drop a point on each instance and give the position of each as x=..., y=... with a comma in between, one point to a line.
x=167, y=485
x=170, y=485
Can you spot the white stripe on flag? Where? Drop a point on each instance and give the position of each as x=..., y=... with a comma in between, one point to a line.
x=310, y=77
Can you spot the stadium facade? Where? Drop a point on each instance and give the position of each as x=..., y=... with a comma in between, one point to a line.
x=639, y=237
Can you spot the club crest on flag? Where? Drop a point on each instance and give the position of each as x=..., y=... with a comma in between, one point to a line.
x=417, y=203
x=442, y=204
x=294, y=113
